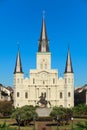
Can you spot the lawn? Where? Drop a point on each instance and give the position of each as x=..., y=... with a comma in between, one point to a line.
x=68, y=127
x=12, y=123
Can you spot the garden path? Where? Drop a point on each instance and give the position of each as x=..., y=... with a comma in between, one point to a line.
x=43, y=126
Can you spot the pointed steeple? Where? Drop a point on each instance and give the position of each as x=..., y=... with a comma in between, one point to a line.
x=43, y=41
x=18, y=66
x=43, y=35
x=68, y=68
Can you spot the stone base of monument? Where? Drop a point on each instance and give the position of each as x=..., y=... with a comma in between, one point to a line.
x=43, y=112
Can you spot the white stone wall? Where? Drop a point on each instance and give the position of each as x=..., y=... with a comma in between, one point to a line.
x=43, y=61
x=59, y=91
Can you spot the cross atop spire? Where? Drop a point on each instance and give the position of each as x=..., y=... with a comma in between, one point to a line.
x=43, y=14
x=68, y=68
x=43, y=41
x=43, y=35
x=18, y=66
x=18, y=45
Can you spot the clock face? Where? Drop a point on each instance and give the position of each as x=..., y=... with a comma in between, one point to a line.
x=43, y=75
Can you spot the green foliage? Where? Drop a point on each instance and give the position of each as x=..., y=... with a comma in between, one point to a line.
x=81, y=125
x=80, y=110
x=6, y=108
x=62, y=115
x=4, y=126
x=26, y=113
x=78, y=128
x=60, y=111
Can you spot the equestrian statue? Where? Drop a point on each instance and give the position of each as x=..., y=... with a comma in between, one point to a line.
x=43, y=100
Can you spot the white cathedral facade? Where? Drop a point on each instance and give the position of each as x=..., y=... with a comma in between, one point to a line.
x=58, y=91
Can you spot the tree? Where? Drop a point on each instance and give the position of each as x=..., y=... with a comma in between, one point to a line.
x=5, y=108
x=60, y=111
x=80, y=110
x=26, y=114
x=64, y=114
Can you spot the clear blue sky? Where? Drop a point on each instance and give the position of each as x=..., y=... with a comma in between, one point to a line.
x=66, y=22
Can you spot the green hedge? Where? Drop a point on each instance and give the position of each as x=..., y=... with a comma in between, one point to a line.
x=5, y=126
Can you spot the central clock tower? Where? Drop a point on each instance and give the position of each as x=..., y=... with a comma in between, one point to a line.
x=43, y=54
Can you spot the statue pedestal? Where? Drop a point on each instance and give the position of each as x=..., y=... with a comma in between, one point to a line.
x=43, y=112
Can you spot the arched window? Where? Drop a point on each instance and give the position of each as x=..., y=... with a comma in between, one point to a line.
x=43, y=47
x=65, y=80
x=18, y=94
x=26, y=94
x=33, y=81
x=61, y=95
x=69, y=94
x=53, y=81
x=68, y=80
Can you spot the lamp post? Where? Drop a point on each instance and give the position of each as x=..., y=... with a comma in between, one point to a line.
x=57, y=122
x=34, y=118
x=18, y=118
x=72, y=123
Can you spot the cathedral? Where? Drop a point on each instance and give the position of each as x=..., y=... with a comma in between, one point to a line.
x=43, y=81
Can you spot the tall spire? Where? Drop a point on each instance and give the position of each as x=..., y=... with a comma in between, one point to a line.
x=43, y=41
x=68, y=68
x=18, y=66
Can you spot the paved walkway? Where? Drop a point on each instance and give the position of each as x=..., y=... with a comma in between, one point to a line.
x=43, y=126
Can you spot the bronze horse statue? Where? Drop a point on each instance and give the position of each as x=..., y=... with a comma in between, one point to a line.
x=43, y=100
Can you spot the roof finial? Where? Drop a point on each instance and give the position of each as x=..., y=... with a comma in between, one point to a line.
x=68, y=46
x=43, y=14
x=18, y=45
